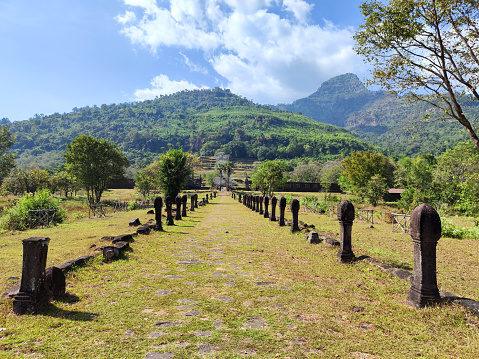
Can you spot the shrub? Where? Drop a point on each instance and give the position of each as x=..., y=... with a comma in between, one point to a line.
x=17, y=218
x=449, y=230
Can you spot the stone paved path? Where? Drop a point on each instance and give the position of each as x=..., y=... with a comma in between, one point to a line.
x=214, y=276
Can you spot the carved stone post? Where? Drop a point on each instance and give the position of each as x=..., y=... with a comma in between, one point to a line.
x=345, y=218
x=158, y=204
x=178, y=208
x=425, y=229
x=266, y=203
x=253, y=203
x=295, y=211
x=169, y=215
x=184, y=199
x=260, y=199
x=282, y=208
x=214, y=194
x=192, y=199
x=32, y=286
x=239, y=197
x=274, y=200
x=196, y=200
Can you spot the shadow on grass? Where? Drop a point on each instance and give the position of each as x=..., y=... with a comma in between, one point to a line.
x=51, y=310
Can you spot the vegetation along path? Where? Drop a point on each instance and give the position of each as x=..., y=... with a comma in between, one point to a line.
x=226, y=283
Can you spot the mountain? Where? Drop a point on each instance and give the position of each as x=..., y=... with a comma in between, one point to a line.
x=203, y=121
x=384, y=120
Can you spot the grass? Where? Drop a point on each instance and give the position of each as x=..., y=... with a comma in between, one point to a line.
x=313, y=307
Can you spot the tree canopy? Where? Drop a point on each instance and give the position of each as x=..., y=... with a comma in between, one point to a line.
x=94, y=163
x=6, y=159
x=173, y=171
x=424, y=46
x=269, y=176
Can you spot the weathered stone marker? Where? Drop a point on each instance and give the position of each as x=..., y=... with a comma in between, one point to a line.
x=184, y=199
x=158, y=204
x=178, y=208
x=345, y=218
x=192, y=199
x=266, y=203
x=214, y=194
x=196, y=200
x=425, y=229
x=239, y=197
x=253, y=203
x=274, y=201
x=260, y=199
x=169, y=216
x=32, y=286
x=295, y=212
x=282, y=208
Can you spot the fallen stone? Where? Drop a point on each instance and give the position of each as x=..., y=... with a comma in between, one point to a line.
x=135, y=222
x=123, y=238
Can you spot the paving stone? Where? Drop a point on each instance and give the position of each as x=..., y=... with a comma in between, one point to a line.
x=188, y=300
x=155, y=355
x=231, y=284
x=190, y=261
x=162, y=292
x=230, y=276
x=193, y=313
x=265, y=283
x=245, y=351
x=146, y=311
x=284, y=288
x=129, y=333
x=173, y=276
x=217, y=274
x=206, y=348
x=276, y=305
x=224, y=299
x=185, y=307
x=203, y=333
x=218, y=323
x=167, y=324
x=255, y=323
x=298, y=341
x=154, y=335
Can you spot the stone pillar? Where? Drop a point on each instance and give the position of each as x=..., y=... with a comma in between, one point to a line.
x=266, y=203
x=184, y=199
x=169, y=210
x=425, y=229
x=272, y=217
x=239, y=197
x=178, y=208
x=196, y=200
x=32, y=286
x=206, y=198
x=253, y=203
x=260, y=199
x=158, y=204
x=282, y=208
x=192, y=199
x=214, y=194
x=258, y=202
x=345, y=218
x=295, y=211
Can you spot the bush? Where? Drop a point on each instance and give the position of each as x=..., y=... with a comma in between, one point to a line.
x=17, y=218
x=449, y=230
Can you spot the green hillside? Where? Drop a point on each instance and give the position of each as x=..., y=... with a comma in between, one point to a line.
x=202, y=121
x=382, y=119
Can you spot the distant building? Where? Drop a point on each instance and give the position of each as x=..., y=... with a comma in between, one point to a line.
x=394, y=194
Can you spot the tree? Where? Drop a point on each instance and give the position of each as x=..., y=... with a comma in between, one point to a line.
x=94, y=163
x=426, y=49
x=20, y=181
x=173, y=171
x=146, y=180
x=228, y=167
x=269, y=176
x=361, y=166
x=7, y=160
x=306, y=172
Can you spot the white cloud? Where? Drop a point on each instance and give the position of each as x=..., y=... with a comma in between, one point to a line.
x=128, y=17
x=194, y=67
x=299, y=8
x=261, y=52
x=162, y=85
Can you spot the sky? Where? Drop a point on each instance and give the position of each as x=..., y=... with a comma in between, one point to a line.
x=59, y=54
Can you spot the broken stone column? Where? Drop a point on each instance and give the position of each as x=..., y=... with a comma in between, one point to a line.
x=425, y=229
x=295, y=212
x=32, y=286
x=178, y=208
x=282, y=208
x=158, y=204
x=266, y=203
x=345, y=218
x=169, y=209
x=184, y=199
x=274, y=201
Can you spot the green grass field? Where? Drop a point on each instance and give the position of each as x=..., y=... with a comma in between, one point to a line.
x=251, y=289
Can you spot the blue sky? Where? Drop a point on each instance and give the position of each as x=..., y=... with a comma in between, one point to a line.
x=60, y=54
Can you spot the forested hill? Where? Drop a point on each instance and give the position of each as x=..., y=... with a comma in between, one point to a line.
x=382, y=119
x=202, y=121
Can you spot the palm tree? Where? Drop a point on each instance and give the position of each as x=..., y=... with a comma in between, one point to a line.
x=228, y=166
x=220, y=167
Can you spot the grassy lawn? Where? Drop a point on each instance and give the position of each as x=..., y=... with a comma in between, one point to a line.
x=227, y=283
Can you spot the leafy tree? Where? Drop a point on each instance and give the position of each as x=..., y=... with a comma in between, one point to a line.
x=330, y=173
x=64, y=182
x=424, y=46
x=269, y=176
x=306, y=172
x=361, y=166
x=6, y=159
x=146, y=180
x=173, y=171
x=376, y=189
x=94, y=163
x=20, y=181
